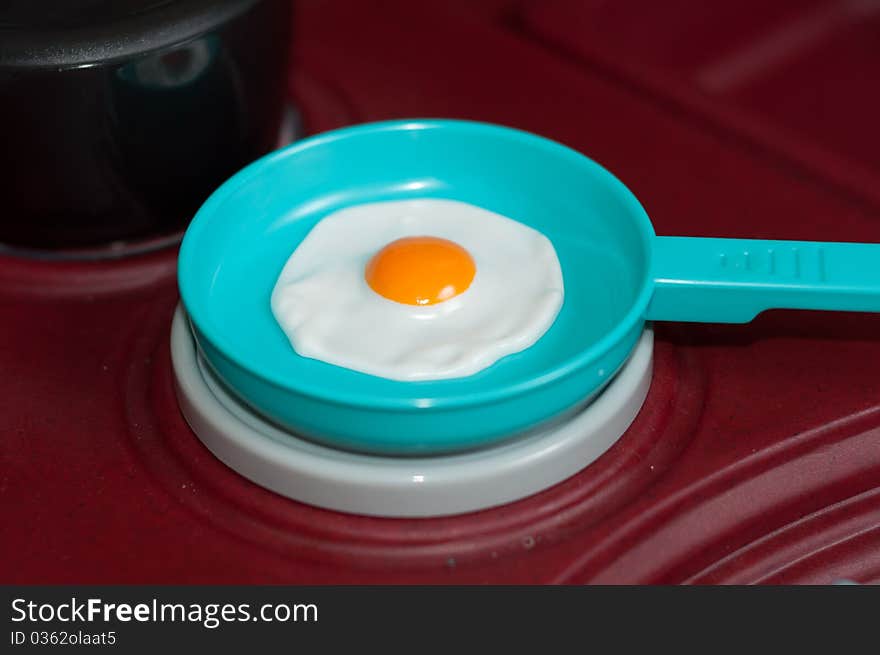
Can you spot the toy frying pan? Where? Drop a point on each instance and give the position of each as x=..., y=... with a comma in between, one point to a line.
x=617, y=275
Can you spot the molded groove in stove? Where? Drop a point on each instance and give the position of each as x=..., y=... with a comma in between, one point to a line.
x=780, y=555
x=233, y=508
x=57, y=280
x=702, y=524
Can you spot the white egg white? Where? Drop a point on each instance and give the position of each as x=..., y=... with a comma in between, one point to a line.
x=328, y=311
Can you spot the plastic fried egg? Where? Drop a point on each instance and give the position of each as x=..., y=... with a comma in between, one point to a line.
x=420, y=289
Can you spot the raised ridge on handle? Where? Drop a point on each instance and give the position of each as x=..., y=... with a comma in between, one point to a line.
x=733, y=280
x=805, y=262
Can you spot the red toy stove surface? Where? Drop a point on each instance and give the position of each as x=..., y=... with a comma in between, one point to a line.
x=756, y=458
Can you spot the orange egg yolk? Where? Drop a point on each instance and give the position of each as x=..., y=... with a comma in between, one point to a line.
x=420, y=270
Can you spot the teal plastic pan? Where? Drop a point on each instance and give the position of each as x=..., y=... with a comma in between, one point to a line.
x=617, y=275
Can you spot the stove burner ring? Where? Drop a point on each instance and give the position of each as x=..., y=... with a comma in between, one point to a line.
x=402, y=487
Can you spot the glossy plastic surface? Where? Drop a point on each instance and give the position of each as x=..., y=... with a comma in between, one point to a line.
x=240, y=239
x=755, y=458
x=124, y=116
x=402, y=486
x=733, y=280
x=79, y=33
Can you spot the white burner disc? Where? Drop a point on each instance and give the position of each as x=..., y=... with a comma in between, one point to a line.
x=402, y=486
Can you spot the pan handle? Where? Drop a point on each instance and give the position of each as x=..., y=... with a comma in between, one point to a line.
x=711, y=280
